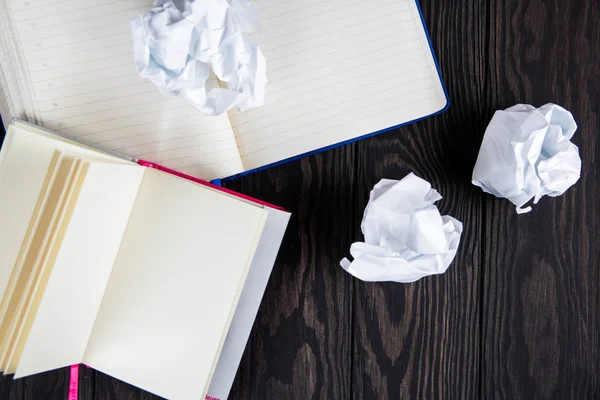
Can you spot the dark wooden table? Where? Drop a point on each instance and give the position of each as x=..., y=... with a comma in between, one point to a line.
x=516, y=316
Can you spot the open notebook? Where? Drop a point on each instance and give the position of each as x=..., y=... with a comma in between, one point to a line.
x=337, y=70
x=146, y=276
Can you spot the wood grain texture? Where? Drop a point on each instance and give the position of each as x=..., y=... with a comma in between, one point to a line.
x=516, y=316
x=53, y=385
x=541, y=276
x=301, y=347
x=11, y=390
x=421, y=340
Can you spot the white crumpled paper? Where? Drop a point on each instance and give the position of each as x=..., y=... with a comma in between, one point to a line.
x=406, y=238
x=177, y=42
x=527, y=154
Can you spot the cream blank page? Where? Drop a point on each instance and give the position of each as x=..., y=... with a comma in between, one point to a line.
x=81, y=269
x=24, y=163
x=79, y=56
x=171, y=295
x=337, y=70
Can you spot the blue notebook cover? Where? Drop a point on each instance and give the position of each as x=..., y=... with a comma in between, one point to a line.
x=250, y=171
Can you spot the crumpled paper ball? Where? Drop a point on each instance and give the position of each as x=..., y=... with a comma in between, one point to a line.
x=406, y=238
x=177, y=43
x=527, y=154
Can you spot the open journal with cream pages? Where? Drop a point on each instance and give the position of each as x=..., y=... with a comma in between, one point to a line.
x=338, y=70
x=152, y=277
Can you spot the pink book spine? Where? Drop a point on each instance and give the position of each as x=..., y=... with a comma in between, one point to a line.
x=205, y=183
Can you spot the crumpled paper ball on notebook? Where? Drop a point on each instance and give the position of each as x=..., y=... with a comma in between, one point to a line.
x=176, y=43
x=406, y=238
x=526, y=154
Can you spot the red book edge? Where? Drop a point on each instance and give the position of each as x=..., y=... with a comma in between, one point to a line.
x=205, y=183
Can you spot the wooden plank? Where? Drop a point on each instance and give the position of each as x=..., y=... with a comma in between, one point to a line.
x=9, y=389
x=53, y=385
x=86, y=383
x=300, y=347
x=421, y=340
x=541, y=278
x=109, y=388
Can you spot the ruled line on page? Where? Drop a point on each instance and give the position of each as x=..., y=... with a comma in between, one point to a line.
x=49, y=42
x=178, y=164
x=300, y=84
x=138, y=148
x=83, y=78
x=215, y=157
x=130, y=121
x=70, y=45
x=42, y=11
x=69, y=18
x=350, y=65
x=264, y=7
x=308, y=39
x=141, y=139
x=11, y=95
x=173, y=127
x=325, y=90
x=97, y=84
x=265, y=15
x=170, y=154
x=51, y=71
x=118, y=110
x=224, y=165
x=338, y=104
x=281, y=93
x=348, y=113
x=53, y=98
x=393, y=108
x=327, y=26
x=50, y=109
x=75, y=59
x=351, y=52
x=377, y=28
x=33, y=4
x=154, y=101
x=108, y=121
x=125, y=64
x=99, y=95
x=73, y=28
x=128, y=143
x=297, y=16
x=90, y=87
x=323, y=11
x=18, y=73
x=166, y=123
x=289, y=88
x=433, y=70
x=430, y=95
x=172, y=143
x=76, y=50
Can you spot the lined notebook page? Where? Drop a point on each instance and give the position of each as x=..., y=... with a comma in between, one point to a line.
x=337, y=70
x=80, y=60
x=6, y=109
x=11, y=102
